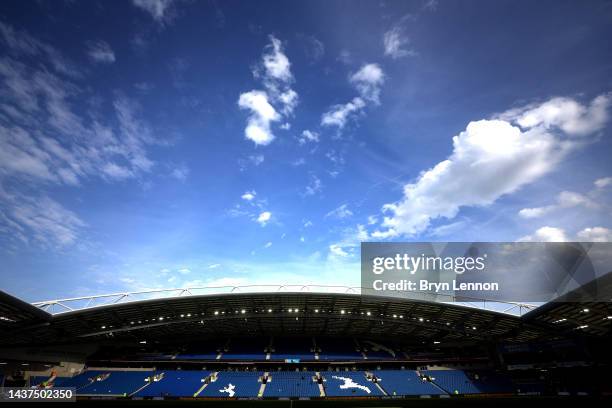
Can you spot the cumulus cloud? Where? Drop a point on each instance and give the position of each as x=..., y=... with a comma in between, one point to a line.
x=566, y=114
x=338, y=115
x=308, y=136
x=264, y=218
x=565, y=199
x=554, y=234
x=546, y=234
x=262, y=114
x=100, y=51
x=275, y=73
x=490, y=158
x=249, y=195
x=595, y=234
x=396, y=42
x=367, y=81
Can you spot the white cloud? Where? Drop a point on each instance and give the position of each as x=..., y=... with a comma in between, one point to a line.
x=180, y=173
x=309, y=136
x=268, y=245
x=595, y=234
x=184, y=271
x=565, y=199
x=490, y=158
x=546, y=234
x=340, y=212
x=351, y=240
x=368, y=81
x=214, y=266
x=603, y=182
x=275, y=72
x=553, y=234
x=40, y=219
x=68, y=145
x=314, y=186
x=101, y=51
x=264, y=218
x=566, y=114
x=337, y=250
x=395, y=42
x=262, y=113
x=160, y=10
x=249, y=195
x=338, y=115
x=276, y=63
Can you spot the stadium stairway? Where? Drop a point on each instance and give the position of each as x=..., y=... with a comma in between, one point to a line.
x=177, y=383
x=454, y=382
x=406, y=383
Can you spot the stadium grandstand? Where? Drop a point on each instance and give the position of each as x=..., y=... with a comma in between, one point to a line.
x=304, y=345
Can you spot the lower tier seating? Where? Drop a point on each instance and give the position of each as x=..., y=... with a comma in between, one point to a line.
x=292, y=384
x=349, y=383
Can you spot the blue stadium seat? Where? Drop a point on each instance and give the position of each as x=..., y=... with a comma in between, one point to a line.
x=176, y=383
x=348, y=384
x=379, y=351
x=117, y=383
x=237, y=384
x=453, y=381
x=246, y=349
x=292, y=384
x=293, y=348
x=405, y=382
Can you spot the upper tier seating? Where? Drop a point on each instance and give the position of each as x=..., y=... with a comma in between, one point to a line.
x=177, y=383
x=379, y=351
x=292, y=348
x=348, y=383
x=234, y=384
x=405, y=382
x=246, y=349
x=292, y=384
x=200, y=351
x=338, y=349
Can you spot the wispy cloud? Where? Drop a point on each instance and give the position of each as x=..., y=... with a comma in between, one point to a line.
x=38, y=219
x=160, y=10
x=101, y=52
x=396, y=43
x=340, y=212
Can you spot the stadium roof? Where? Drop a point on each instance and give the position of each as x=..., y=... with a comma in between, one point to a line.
x=292, y=313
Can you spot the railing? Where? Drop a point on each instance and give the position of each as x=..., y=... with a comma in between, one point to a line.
x=86, y=302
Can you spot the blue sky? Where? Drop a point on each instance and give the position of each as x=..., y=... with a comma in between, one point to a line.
x=160, y=143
